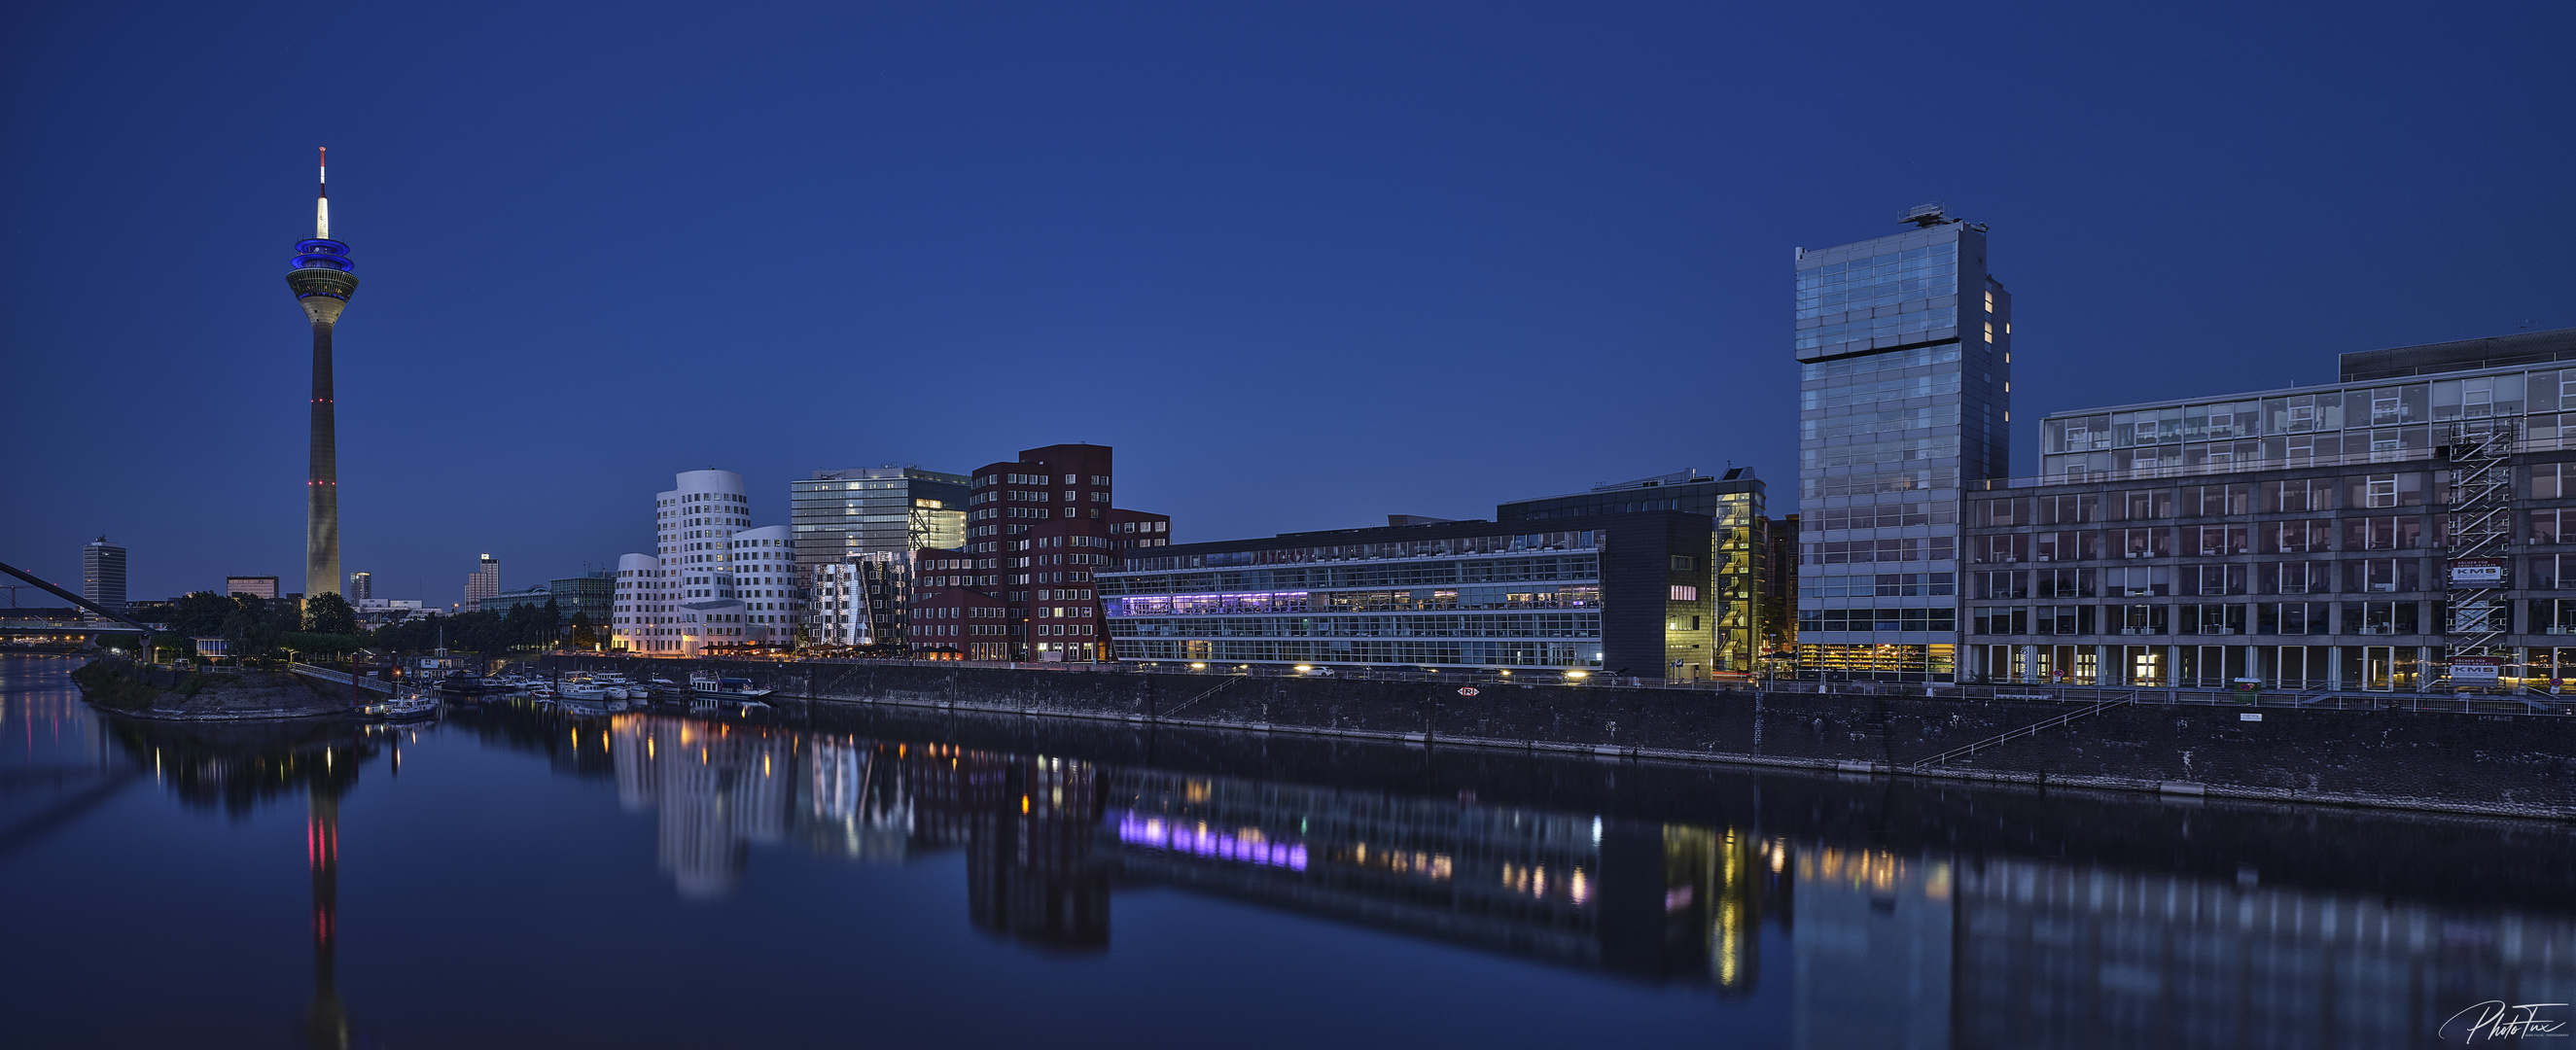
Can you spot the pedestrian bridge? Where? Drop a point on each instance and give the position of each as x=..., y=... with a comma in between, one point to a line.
x=326, y=674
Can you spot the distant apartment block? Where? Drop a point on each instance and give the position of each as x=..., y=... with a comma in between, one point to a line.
x=483, y=582
x=255, y=586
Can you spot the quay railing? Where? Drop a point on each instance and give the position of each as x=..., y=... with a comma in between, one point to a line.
x=2032, y=729
x=2300, y=695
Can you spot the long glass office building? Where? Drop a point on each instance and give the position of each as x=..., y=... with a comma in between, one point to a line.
x=1624, y=593
x=1904, y=348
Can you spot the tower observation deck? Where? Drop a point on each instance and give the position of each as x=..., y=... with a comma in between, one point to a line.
x=322, y=281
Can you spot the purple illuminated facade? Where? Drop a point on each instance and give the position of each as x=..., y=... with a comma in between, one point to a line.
x=1136, y=829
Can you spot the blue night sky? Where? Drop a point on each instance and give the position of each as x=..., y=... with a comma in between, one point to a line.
x=1304, y=265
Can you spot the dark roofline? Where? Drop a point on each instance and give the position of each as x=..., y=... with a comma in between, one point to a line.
x=1446, y=530
x=2498, y=351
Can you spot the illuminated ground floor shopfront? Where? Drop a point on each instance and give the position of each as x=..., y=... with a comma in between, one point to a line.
x=1885, y=662
x=2365, y=667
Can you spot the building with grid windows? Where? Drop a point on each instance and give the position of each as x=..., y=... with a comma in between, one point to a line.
x=1040, y=529
x=1904, y=348
x=1736, y=574
x=1625, y=593
x=103, y=575
x=840, y=514
x=2401, y=529
x=714, y=582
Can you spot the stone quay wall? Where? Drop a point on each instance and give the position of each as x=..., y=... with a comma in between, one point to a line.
x=2449, y=761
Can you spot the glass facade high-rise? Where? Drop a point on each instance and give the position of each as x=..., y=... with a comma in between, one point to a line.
x=1904, y=348
x=103, y=574
x=839, y=514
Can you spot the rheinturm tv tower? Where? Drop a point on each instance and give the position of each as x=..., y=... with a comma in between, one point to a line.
x=322, y=282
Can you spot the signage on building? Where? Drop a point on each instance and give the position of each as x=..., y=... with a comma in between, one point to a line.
x=2477, y=570
x=1467, y=691
x=2476, y=670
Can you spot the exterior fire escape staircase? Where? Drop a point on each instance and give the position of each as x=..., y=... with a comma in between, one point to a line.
x=2480, y=524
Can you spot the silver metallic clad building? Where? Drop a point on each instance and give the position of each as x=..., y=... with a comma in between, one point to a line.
x=1904, y=347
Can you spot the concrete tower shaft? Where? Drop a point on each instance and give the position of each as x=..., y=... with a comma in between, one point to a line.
x=322, y=281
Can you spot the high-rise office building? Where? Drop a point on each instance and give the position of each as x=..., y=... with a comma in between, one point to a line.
x=483, y=582
x=322, y=281
x=714, y=581
x=840, y=514
x=1904, y=348
x=362, y=586
x=103, y=574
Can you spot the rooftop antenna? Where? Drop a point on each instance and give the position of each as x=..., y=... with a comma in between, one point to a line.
x=322, y=198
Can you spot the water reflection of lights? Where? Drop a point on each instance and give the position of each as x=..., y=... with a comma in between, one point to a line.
x=1250, y=846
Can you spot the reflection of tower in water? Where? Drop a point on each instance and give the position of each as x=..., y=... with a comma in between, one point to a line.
x=326, y=1023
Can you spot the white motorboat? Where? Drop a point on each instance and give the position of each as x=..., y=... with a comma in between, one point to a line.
x=398, y=708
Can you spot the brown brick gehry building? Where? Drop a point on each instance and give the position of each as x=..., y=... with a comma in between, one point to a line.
x=1037, y=529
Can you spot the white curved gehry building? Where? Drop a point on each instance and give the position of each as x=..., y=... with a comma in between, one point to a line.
x=713, y=579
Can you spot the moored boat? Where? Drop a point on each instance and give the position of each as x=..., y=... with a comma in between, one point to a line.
x=725, y=688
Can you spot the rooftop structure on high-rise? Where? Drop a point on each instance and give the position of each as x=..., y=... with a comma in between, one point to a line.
x=483, y=582
x=322, y=281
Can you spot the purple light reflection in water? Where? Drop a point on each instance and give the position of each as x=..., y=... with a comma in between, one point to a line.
x=1157, y=833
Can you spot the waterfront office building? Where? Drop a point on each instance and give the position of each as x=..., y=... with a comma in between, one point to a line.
x=1623, y=592
x=838, y=514
x=1904, y=348
x=713, y=581
x=362, y=586
x=1039, y=529
x=2399, y=529
x=1736, y=574
x=103, y=574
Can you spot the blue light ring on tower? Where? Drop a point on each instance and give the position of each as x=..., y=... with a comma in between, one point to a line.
x=323, y=255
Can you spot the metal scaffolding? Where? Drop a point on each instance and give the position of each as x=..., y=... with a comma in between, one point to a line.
x=2479, y=521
